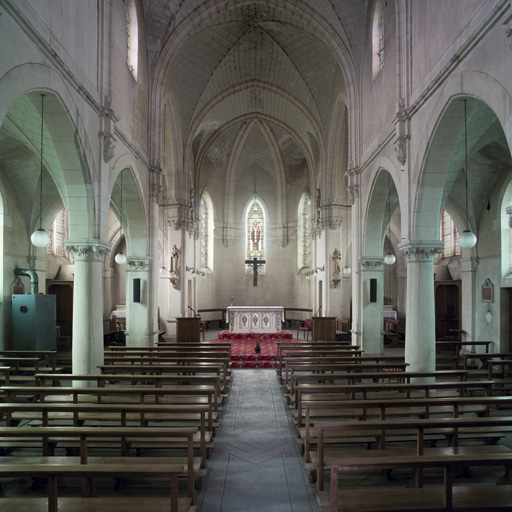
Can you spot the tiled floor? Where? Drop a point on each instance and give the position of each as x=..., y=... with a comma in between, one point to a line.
x=255, y=464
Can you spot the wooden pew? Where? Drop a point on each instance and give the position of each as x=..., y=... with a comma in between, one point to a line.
x=219, y=370
x=283, y=345
x=333, y=374
x=440, y=497
x=79, y=415
x=113, y=394
x=454, y=348
x=105, y=380
x=42, y=355
x=347, y=366
x=55, y=472
x=325, y=459
x=331, y=392
x=320, y=412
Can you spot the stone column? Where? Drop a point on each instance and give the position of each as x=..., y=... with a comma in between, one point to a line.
x=87, y=303
x=420, y=329
x=469, y=267
x=139, y=327
x=372, y=312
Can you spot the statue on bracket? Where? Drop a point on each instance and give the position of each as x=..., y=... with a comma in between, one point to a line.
x=335, y=267
x=174, y=266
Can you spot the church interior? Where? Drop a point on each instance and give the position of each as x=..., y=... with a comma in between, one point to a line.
x=329, y=163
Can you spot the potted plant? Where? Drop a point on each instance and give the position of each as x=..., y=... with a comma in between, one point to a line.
x=257, y=347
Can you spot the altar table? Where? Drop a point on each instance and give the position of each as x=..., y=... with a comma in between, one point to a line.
x=256, y=319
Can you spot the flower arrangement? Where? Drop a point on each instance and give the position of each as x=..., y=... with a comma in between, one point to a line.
x=231, y=300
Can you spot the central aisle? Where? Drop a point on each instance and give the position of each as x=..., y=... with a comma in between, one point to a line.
x=256, y=465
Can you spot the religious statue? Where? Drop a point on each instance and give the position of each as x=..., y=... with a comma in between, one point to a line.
x=336, y=258
x=175, y=261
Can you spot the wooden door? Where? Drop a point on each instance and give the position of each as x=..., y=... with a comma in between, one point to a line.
x=63, y=290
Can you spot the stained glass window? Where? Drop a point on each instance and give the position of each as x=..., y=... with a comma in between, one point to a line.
x=381, y=43
x=127, y=38
x=131, y=37
x=255, y=235
x=203, y=227
x=57, y=235
x=449, y=237
x=304, y=231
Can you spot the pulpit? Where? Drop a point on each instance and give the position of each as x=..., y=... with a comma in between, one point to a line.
x=187, y=329
x=324, y=328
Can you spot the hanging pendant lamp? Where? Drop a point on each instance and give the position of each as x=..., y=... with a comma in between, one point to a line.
x=467, y=239
x=40, y=237
x=390, y=258
x=120, y=257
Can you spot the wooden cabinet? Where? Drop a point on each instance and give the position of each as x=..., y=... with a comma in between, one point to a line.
x=324, y=328
x=187, y=329
x=448, y=301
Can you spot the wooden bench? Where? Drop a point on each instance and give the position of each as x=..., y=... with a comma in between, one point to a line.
x=324, y=459
x=111, y=395
x=54, y=472
x=80, y=415
x=283, y=345
x=171, y=350
x=219, y=370
x=105, y=380
x=438, y=497
x=333, y=374
x=331, y=392
x=417, y=407
x=347, y=366
x=44, y=356
x=451, y=350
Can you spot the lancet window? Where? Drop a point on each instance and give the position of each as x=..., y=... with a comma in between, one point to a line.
x=57, y=235
x=255, y=235
x=304, y=231
x=449, y=236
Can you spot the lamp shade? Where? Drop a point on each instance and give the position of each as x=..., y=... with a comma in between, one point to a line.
x=467, y=239
x=40, y=238
x=347, y=270
x=163, y=272
x=389, y=259
x=120, y=258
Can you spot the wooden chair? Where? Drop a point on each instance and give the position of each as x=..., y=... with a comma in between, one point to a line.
x=305, y=326
x=202, y=328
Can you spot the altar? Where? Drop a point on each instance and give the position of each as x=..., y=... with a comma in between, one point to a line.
x=255, y=319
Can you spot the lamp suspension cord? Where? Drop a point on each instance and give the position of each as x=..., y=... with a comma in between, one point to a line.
x=41, y=176
x=466, y=158
x=122, y=213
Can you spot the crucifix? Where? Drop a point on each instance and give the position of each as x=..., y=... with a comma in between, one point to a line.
x=254, y=262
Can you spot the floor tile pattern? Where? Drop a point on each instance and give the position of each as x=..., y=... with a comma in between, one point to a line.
x=255, y=464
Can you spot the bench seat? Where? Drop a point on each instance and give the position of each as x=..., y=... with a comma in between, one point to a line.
x=93, y=504
x=429, y=499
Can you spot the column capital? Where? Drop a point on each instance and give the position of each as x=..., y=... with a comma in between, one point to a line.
x=137, y=264
x=87, y=249
x=421, y=250
x=371, y=264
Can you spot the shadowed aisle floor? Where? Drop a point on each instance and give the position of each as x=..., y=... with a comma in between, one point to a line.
x=256, y=464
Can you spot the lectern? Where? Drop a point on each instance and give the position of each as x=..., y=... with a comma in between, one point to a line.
x=324, y=328
x=187, y=329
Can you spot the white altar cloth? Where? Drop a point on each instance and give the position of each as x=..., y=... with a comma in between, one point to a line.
x=260, y=319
